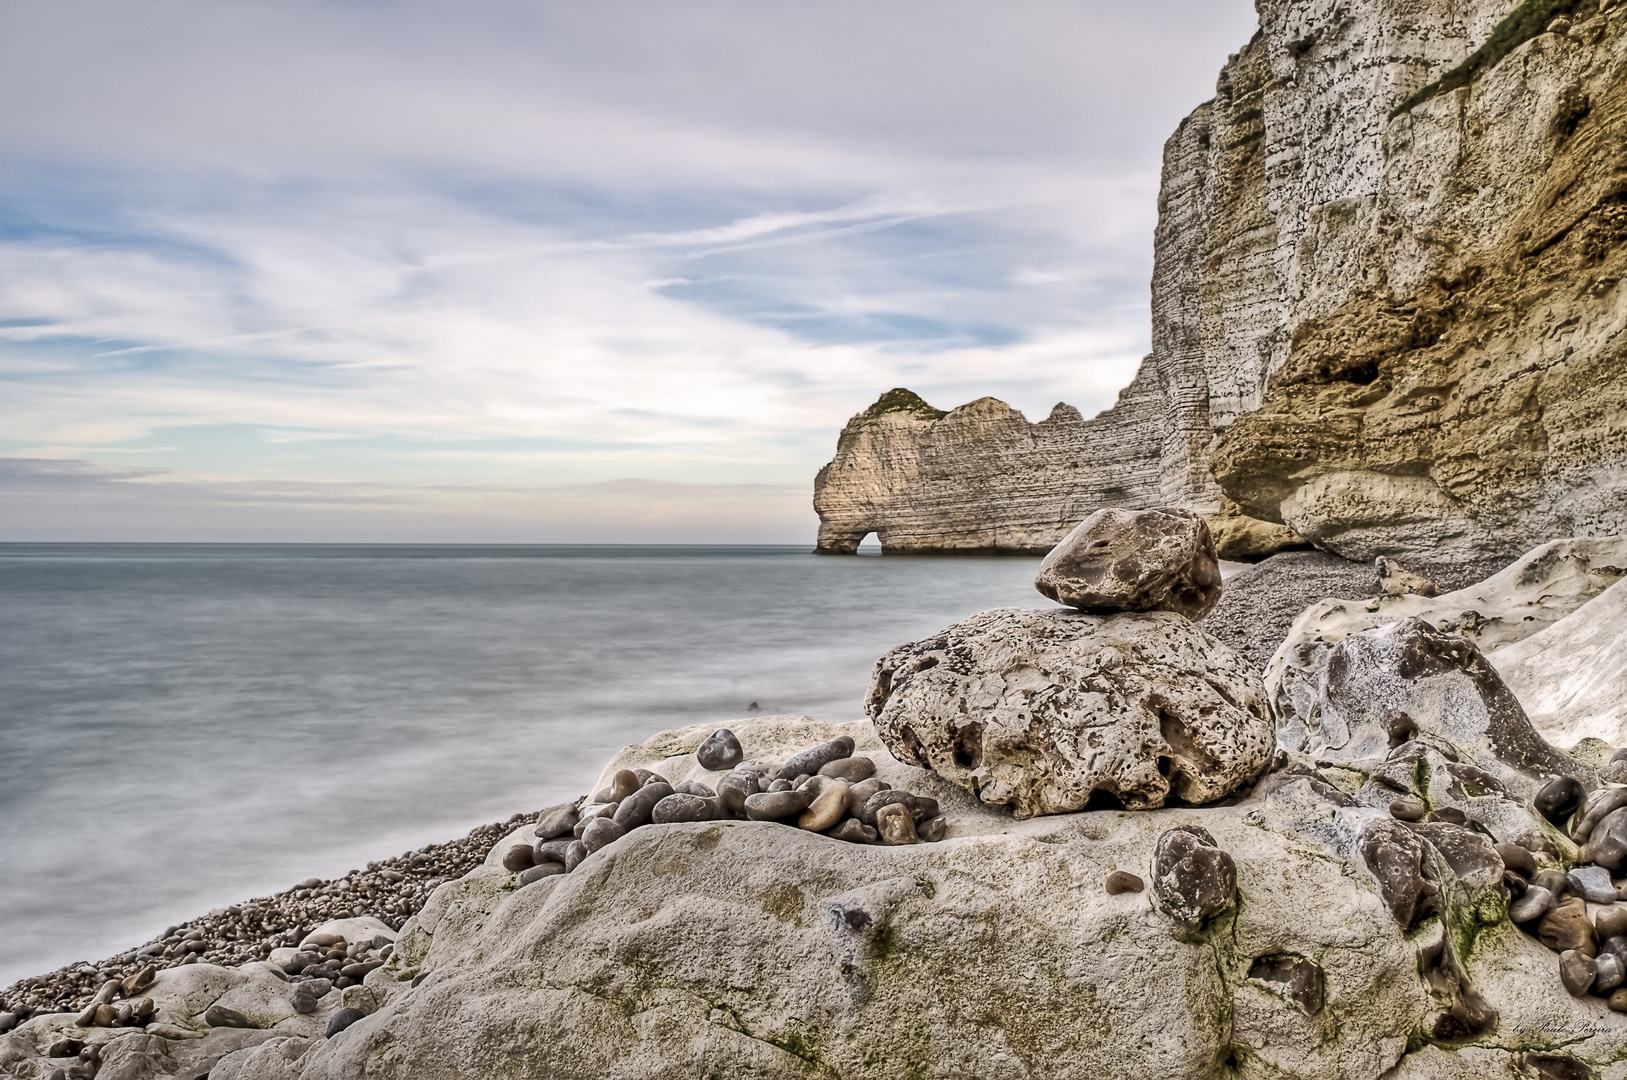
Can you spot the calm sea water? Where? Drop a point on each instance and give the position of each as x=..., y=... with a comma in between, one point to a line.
x=185, y=726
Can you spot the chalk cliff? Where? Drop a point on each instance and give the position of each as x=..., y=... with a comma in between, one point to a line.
x=1387, y=304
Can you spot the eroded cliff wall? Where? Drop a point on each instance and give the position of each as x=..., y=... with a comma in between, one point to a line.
x=1387, y=307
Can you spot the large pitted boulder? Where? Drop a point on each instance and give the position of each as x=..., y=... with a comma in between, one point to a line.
x=1135, y=560
x=1041, y=710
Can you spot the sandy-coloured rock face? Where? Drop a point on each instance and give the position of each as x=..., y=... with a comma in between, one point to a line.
x=1134, y=560
x=1041, y=710
x=1572, y=676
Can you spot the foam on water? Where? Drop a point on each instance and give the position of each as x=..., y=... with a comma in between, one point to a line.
x=184, y=726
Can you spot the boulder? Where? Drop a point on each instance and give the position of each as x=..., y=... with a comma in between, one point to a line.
x=1571, y=677
x=1042, y=710
x=1134, y=560
x=1536, y=591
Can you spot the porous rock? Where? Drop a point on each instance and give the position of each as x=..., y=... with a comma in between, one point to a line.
x=1134, y=560
x=1040, y=710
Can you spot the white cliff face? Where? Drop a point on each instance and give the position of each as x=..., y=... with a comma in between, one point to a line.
x=1386, y=328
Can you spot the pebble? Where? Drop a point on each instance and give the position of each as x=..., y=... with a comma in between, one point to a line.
x=1566, y=926
x=535, y=873
x=691, y=787
x=574, y=855
x=733, y=790
x=860, y=793
x=933, y=829
x=1533, y=905
x=1610, y=922
x=828, y=807
x=1609, y=972
x=519, y=857
x=815, y=758
x=1618, y=1001
x=1407, y=808
x=681, y=806
x=719, y=751
x=304, y=1002
x=1593, y=883
x=1576, y=972
x=591, y=811
x=896, y=824
x=851, y=769
x=874, y=804
x=1555, y=882
x=343, y=1019
x=778, y=785
x=138, y=982
x=646, y=777
x=9, y=1020
x=559, y=821
x=1516, y=859
x=634, y=811
x=1558, y=798
x=1122, y=881
x=1607, y=843
x=601, y=832
x=553, y=850
x=776, y=805
x=623, y=784
x=221, y=1016
x=855, y=831
x=1449, y=814
x=1596, y=806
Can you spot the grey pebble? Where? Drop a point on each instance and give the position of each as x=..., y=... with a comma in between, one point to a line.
x=855, y=831
x=517, y=858
x=601, y=832
x=553, y=850
x=574, y=855
x=692, y=787
x=719, y=751
x=556, y=822
x=1609, y=972
x=1407, y=808
x=815, y=758
x=1593, y=883
x=778, y=785
x=933, y=829
x=536, y=873
x=221, y=1016
x=859, y=793
x=733, y=790
x=1534, y=904
x=681, y=806
x=343, y=1019
x=851, y=769
x=777, y=805
x=635, y=810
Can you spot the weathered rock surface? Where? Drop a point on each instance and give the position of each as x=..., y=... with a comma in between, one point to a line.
x=747, y=950
x=1572, y=676
x=1041, y=710
x=1134, y=560
x=1388, y=309
x=1534, y=592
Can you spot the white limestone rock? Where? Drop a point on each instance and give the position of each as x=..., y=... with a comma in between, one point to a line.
x=1572, y=676
x=1041, y=710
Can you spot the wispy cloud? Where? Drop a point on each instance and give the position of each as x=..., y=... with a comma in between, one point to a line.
x=543, y=245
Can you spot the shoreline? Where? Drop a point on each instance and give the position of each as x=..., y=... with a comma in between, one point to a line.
x=391, y=890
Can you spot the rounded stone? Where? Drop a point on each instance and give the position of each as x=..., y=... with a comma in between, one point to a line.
x=855, y=831
x=1555, y=882
x=1607, y=841
x=343, y=1019
x=734, y=789
x=933, y=829
x=1592, y=883
x=526, y=877
x=1566, y=926
x=1618, y=1001
x=1609, y=972
x=1192, y=879
x=556, y=822
x=896, y=825
x=635, y=810
x=623, y=784
x=1610, y=922
x=828, y=808
x=719, y=751
x=1407, y=808
x=221, y=1016
x=1122, y=881
x=778, y=785
x=777, y=805
x=1533, y=905
x=1517, y=859
x=681, y=806
x=1135, y=560
x=602, y=832
x=1576, y=972
x=1449, y=814
x=1558, y=798
x=859, y=793
x=591, y=811
x=815, y=758
x=694, y=787
x=519, y=857
x=574, y=855
x=851, y=769
x=891, y=797
x=552, y=850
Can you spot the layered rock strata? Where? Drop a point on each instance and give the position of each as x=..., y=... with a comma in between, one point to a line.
x=1388, y=310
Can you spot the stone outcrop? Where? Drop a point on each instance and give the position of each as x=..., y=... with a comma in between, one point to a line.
x=1572, y=676
x=1042, y=710
x=1388, y=310
x=1297, y=932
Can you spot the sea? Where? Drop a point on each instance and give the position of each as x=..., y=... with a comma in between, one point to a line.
x=186, y=726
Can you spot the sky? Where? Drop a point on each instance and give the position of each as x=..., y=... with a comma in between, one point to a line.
x=519, y=271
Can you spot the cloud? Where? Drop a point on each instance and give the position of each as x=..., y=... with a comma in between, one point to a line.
x=541, y=245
